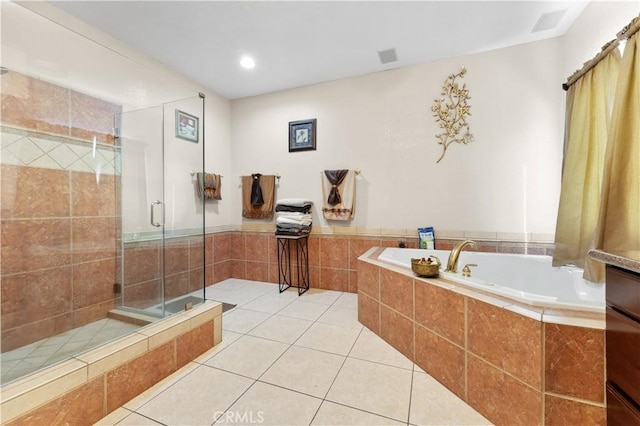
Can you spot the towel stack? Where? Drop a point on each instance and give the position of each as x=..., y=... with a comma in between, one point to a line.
x=293, y=217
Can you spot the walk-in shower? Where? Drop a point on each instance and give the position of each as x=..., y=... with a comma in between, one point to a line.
x=101, y=226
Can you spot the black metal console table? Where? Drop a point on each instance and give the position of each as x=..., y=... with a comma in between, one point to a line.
x=293, y=251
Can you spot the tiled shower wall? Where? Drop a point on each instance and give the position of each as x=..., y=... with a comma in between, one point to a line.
x=60, y=220
x=143, y=261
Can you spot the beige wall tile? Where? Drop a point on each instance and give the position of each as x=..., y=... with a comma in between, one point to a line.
x=26, y=394
x=111, y=355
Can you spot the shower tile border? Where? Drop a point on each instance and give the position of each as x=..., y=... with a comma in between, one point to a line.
x=26, y=396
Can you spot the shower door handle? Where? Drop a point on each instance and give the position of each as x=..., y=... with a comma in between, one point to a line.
x=153, y=222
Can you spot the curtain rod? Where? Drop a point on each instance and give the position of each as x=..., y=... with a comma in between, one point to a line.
x=624, y=34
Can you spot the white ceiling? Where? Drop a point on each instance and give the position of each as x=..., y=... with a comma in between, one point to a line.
x=297, y=43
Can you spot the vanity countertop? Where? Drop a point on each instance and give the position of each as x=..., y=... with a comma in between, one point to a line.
x=616, y=260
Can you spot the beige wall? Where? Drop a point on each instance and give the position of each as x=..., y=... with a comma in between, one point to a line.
x=505, y=181
x=598, y=24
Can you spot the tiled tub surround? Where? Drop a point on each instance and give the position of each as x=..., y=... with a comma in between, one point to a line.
x=87, y=387
x=513, y=363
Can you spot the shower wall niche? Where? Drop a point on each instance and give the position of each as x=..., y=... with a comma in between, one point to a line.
x=60, y=219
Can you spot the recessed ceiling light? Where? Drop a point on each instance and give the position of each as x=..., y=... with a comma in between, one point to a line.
x=247, y=62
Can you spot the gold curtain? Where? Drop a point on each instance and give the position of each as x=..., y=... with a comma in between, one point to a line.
x=589, y=104
x=618, y=229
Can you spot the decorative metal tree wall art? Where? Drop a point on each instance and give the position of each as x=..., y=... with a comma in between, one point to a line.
x=451, y=113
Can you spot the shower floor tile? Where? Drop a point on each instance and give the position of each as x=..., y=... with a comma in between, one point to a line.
x=28, y=359
x=307, y=363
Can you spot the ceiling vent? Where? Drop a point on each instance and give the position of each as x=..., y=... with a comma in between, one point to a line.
x=387, y=56
x=548, y=21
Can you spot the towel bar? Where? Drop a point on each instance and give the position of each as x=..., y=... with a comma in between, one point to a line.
x=277, y=177
x=194, y=173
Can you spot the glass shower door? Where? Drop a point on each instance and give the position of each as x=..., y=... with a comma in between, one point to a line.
x=162, y=250
x=184, y=209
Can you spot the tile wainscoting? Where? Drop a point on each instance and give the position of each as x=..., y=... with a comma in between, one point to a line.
x=333, y=258
x=499, y=357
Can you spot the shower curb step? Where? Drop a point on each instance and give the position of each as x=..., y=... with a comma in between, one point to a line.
x=130, y=317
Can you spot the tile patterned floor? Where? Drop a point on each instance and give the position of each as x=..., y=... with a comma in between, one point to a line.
x=28, y=359
x=289, y=360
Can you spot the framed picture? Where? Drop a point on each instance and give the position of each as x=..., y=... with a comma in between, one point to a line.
x=302, y=135
x=186, y=126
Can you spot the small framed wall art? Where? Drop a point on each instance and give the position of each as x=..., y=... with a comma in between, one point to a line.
x=186, y=126
x=302, y=135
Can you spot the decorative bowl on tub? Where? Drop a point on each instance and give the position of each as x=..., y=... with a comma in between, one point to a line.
x=427, y=268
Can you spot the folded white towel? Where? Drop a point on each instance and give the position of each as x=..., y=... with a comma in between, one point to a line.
x=295, y=202
x=282, y=220
x=295, y=215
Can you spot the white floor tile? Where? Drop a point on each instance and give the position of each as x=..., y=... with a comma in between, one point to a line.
x=335, y=414
x=164, y=384
x=344, y=317
x=372, y=387
x=241, y=321
x=114, y=417
x=371, y=347
x=271, y=405
x=248, y=356
x=317, y=295
x=228, y=337
x=135, y=419
x=304, y=310
x=304, y=370
x=239, y=298
x=196, y=398
x=290, y=293
x=231, y=284
x=347, y=300
x=433, y=404
x=329, y=338
x=282, y=329
x=267, y=303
